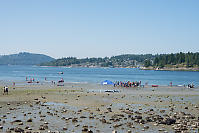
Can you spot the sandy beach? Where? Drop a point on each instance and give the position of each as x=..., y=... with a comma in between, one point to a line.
x=84, y=107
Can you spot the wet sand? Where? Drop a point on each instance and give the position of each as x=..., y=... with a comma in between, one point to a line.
x=88, y=108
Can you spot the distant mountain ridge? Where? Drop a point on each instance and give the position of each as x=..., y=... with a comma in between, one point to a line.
x=24, y=58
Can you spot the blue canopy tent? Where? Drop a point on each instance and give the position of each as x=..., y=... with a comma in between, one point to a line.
x=107, y=82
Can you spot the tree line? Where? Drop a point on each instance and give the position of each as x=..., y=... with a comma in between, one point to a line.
x=131, y=60
x=184, y=59
x=127, y=60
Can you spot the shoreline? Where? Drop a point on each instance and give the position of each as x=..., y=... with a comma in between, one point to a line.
x=171, y=69
x=20, y=83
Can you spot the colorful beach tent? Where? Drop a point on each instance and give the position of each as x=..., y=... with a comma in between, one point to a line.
x=107, y=82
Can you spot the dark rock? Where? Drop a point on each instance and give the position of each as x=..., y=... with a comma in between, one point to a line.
x=146, y=127
x=170, y=121
x=65, y=128
x=17, y=121
x=19, y=130
x=83, y=117
x=29, y=120
x=21, y=123
x=138, y=117
x=85, y=128
x=41, y=128
x=74, y=120
x=148, y=119
x=109, y=109
x=90, y=131
x=117, y=125
x=103, y=120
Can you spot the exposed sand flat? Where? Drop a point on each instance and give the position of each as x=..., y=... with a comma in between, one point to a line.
x=88, y=108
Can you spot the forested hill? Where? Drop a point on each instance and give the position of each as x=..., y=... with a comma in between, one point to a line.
x=127, y=60
x=24, y=59
x=174, y=60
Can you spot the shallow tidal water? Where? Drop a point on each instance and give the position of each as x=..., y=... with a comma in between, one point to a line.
x=97, y=75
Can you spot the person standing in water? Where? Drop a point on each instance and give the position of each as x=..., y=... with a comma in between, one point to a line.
x=171, y=84
x=13, y=85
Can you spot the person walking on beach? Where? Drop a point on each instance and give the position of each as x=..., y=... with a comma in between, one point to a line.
x=5, y=89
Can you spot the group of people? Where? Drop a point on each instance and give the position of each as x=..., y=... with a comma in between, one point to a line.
x=127, y=84
x=190, y=85
x=31, y=80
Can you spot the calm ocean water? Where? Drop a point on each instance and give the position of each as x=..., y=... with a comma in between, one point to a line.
x=97, y=75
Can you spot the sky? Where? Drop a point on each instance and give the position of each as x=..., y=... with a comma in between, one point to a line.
x=98, y=28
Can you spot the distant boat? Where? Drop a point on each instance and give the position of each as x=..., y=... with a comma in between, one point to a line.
x=61, y=81
x=155, y=85
x=60, y=72
x=180, y=85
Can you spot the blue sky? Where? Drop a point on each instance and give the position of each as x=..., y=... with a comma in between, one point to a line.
x=98, y=28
